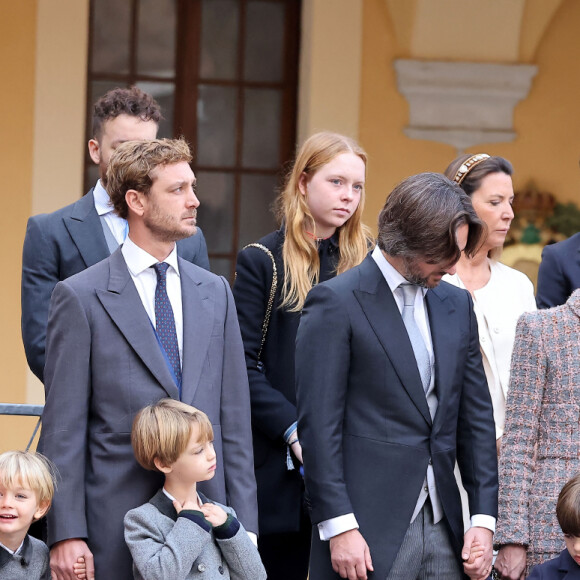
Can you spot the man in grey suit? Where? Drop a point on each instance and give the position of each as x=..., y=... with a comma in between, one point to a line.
x=141, y=325
x=65, y=242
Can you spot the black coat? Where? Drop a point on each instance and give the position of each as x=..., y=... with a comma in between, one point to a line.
x=272, y=391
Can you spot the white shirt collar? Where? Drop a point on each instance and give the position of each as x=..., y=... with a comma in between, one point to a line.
x=13, y=552
x=138, y=260
x=393, y=277
x=102, y=199
x=173, y=499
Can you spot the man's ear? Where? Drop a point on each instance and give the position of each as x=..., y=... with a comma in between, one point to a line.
x=135, y=201
x=95, y=151
x=41, y=510
x=163, y=468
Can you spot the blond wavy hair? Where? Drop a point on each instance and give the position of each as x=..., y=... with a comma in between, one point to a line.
x=300, y=251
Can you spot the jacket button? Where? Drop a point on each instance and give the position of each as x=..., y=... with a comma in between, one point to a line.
x=221, y=570
x=426, y=489
x=201, y=568
x=430, y=461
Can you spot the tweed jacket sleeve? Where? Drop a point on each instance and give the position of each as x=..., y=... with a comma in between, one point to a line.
x=524, y=406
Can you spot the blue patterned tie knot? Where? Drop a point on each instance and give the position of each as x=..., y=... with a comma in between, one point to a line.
x=165, y=322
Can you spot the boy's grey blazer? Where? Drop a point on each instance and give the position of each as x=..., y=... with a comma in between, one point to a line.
x=166, y=546
x=103, y=365
x=58, y=245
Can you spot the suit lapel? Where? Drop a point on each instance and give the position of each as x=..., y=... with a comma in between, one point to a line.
x=382, y=313
x=123, y=304
x=86, y=231
x=198, y=316
x=440, y=311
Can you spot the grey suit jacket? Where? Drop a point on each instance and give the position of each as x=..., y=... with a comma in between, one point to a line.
x=166, y=546
x=59, y=245
x=103, y=364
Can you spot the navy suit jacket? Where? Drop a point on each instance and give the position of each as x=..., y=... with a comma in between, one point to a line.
x=103, y=364
x=59, y=245
x=364, y=423
x=559, y=273
x=561, y=568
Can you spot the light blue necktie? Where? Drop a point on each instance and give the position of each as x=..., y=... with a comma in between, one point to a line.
x=421, y=353
x=423, y=359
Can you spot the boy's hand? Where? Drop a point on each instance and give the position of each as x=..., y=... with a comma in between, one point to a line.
x=65, y=554
x=214, y=514
x=190, y=503
x=476, y=551
x=80, y=568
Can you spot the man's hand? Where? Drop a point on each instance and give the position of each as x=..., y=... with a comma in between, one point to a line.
x=477, y=553
x=350, y=555
x=64, y=555
x=511, y=562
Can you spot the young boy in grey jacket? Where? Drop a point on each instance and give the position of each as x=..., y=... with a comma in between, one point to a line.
x=26, y=490
x=180, y=534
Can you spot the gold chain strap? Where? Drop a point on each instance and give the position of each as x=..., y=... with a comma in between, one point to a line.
x=273, y=288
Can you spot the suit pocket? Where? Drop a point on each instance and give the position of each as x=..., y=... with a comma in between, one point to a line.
x=558, y=431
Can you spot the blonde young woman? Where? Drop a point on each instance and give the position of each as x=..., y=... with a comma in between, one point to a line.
x=500, y=294
x=321, y=235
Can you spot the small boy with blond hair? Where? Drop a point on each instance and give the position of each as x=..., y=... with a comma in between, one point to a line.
x=567, y=564
x=181, y=534
x=27, y=485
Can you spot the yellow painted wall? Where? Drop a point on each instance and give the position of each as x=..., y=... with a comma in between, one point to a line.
x=547, y=122
x=17, y=54
x=330, y=67
x=43, y=55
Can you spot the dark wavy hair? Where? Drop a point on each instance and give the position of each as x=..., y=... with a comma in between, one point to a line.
x=421, y=216
x=120, y=101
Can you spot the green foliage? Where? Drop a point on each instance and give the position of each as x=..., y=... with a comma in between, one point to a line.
x=565, y=219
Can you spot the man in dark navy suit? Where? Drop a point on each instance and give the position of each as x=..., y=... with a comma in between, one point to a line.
x=67, y=241
x=559, y=273
x=391, y=392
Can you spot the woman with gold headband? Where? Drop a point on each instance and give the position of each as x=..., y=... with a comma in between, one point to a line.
x=321, y=235
x=500, y=294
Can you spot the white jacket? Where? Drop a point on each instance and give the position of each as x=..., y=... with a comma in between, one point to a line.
x=498, y=305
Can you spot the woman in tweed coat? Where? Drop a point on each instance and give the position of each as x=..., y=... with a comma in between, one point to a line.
x=540, y=450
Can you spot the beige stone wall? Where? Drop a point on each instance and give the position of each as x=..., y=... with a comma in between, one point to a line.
x=547, y=123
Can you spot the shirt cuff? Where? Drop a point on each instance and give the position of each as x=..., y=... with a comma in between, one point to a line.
x=289, y=431
x=334, y=526
x=483, y=521
x=253, y=537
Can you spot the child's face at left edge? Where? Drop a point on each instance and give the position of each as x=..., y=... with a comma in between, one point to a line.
x=19, y=507
x=573, y=546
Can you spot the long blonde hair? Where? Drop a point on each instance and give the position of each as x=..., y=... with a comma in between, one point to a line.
x=300, y=251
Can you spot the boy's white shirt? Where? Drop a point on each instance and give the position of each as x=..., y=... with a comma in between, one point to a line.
x=13, y=552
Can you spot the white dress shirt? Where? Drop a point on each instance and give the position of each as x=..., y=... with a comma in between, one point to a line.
x=139, y=263
x=334, y=526
x=118, y=226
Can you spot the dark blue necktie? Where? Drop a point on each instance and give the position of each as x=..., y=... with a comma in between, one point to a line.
x=165, y=323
